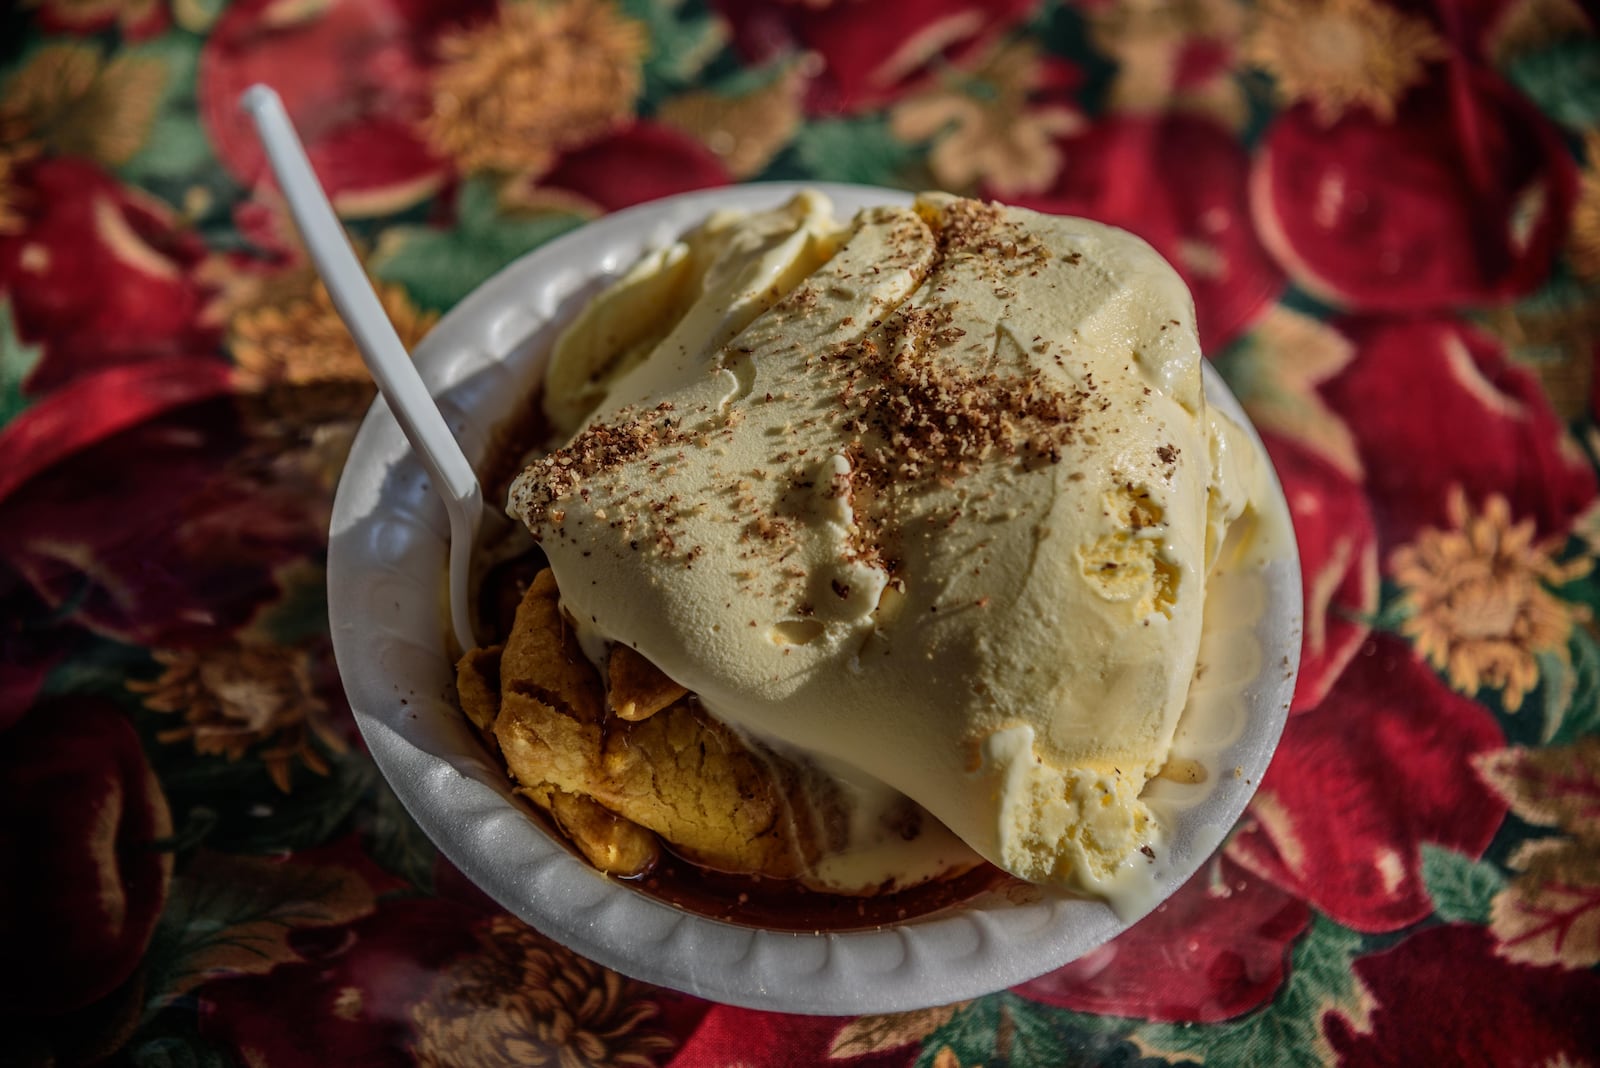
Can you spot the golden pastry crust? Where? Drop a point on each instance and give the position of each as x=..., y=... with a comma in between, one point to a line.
x=478, y=686
x=611, y=843
x=636, y=689
x=677, y=773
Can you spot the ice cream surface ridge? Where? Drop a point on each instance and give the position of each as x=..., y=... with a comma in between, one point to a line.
x=930, y=496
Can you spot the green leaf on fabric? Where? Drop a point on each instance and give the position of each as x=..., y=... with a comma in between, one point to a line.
x=190, y=834
x=396, y=842
x=1584, y=590
x=1298, y=300
x=251, y=814
x=684, y=38
x=1554, y=694
x=19, y=33
x=1393, y=609
x=312, y=813
x=1462, y=888
x=986, y=1031
x=439, y=267
x=970, y=1034
x=852, y=150
x=178, y=1051
x=176, y=146
x=1009, y=1029
x=101, y=667
x=1580, y=715
x=478, y=205
x=1550, y=323
x=233, y=915
x=1565, y=705
x=17, y=361
x=1563, y=79
x=742, y=80
x=186, y=776
x=1562, y=294
x=1063, y=29
x=300, y=614
x=1288, y=1032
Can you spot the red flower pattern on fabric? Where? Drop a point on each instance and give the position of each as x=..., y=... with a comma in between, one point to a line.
x=351, y=993
x=353, y=77
x=89, y=844
x=1462, y=199
x=872, y=53
x=1479, y=1009
x=642, y=162
x=124, y=535
x=1358, y=784
x=1490, y=428
x=101, y=274
x=1338, y=563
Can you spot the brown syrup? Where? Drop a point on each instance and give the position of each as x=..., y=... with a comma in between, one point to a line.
x=787, y=905
x=502, y=590
x=526, y=430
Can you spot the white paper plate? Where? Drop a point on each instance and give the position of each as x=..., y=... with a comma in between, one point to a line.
x=385, y=571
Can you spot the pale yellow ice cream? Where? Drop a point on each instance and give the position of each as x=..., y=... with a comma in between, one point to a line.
x=930, y=495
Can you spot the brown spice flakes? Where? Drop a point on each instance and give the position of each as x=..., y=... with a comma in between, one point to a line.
x=601, y=447
x=919, y=410
x=971, y=228
x=937, y=422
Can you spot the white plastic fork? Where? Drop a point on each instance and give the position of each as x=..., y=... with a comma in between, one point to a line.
x=353, y=297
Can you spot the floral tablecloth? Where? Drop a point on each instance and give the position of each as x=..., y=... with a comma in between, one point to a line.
x=1389, y=213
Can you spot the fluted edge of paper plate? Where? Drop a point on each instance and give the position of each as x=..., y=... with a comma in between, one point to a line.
x=386, y=560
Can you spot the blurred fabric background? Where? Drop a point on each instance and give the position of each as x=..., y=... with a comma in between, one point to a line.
x=1389, y=214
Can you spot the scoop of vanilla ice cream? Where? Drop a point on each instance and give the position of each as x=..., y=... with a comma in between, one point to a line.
x=930, y=496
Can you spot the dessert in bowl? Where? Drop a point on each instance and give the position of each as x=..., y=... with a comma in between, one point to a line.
x=925, y=500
